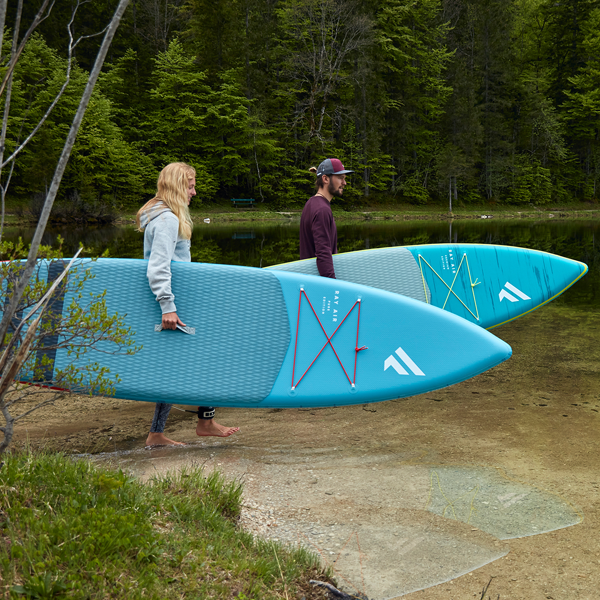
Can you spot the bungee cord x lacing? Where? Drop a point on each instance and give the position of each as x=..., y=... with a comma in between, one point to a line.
x=451, y=287
x=328, y=342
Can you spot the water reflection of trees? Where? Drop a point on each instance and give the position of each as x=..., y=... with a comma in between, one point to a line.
x=272, y=245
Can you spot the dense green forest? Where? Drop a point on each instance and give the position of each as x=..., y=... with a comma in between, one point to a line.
x=477, y=100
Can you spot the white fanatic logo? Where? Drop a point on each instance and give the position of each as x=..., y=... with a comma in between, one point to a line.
x=504, y=294
x=391, y=361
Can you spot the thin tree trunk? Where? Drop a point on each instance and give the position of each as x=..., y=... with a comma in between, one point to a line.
x=7, y=99
x=8, y=430
x=3, y=4
x=364, y=128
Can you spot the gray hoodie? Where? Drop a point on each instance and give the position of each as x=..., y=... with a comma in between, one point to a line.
x=162, y=244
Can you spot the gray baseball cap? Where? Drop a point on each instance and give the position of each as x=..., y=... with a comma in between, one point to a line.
x=332, y=166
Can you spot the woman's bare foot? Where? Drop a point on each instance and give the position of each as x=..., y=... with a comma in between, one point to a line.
x=156, y=438
x=207, y=427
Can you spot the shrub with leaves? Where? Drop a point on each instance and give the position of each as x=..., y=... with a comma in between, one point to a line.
x=42, y=325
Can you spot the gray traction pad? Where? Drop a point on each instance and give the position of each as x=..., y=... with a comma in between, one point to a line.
x=391, y=269
x=241, y=327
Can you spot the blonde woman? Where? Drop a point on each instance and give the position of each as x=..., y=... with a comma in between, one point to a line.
x=167, y=226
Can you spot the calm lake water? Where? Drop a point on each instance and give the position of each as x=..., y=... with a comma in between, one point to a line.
x=264, y=245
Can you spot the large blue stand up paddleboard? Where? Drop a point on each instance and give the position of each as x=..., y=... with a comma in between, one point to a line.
x=485, y=284
x=259, y=338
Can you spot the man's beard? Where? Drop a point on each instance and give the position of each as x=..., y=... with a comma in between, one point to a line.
x=333, y=190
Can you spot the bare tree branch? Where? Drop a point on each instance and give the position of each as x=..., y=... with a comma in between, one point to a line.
x=9, y=372
x=60, y=169
x=72, y=45
x=158, y=18
x=6, y=185
x=8, y=98
x=323, y=34
x=39, y=17
x=54, y=398
x=28, y=337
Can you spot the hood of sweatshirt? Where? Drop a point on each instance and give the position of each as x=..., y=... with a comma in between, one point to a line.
x=149, y=215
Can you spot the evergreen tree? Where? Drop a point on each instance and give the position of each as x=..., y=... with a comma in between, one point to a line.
x=563, y=49
x=212, y=33
x=103, y=164
x=583, y=105
x=412, y=46
x=208, y=126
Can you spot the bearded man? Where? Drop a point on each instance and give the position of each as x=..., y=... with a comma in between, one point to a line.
x=318, y=233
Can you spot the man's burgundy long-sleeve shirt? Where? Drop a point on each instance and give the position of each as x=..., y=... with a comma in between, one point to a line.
x=318, y=234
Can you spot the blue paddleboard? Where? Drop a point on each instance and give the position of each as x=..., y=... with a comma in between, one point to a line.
x=485, y=284
x=259, y=338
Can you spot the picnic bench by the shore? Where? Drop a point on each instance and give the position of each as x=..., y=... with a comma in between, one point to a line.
x=243, y=202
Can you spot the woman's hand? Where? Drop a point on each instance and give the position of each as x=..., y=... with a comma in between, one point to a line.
x=171, y=320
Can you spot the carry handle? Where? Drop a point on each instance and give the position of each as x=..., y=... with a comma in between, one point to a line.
x=186, y=329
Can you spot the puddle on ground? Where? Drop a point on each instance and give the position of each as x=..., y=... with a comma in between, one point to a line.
x=385, y=525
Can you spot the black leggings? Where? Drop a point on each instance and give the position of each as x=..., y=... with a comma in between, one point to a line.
x=161, y=412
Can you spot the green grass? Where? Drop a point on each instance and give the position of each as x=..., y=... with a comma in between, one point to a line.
x=69, y=529
x=221, y=211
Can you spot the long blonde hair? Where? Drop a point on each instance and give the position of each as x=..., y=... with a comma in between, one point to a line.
x=172, y=191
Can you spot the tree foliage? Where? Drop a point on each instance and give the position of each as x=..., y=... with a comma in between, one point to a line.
x=103, y=163
x=43, y=325
x=467, y=100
